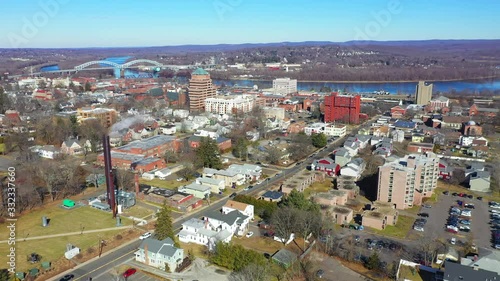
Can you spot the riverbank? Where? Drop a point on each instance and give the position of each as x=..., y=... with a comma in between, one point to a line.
x=478, y=79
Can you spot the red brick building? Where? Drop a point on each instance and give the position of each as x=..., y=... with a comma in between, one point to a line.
x=420, y=147
x=342, y=108
x=154, y=146
x=397, y=112
x=224, y=144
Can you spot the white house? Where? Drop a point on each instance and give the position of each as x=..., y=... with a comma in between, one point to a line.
x=206, y=133
x=181, y=113
x=354, y=168
x=158, y=253
x=46, y=151
x=315, y=128
x=251, y=172
x=233, y=221
x=148, y=176
x=230, y=177
x=333, y=130
x=198, y=190
x=245, y=209
x=163, y=173
x=216, y=185
x=199, y=232
x=168, y=130
x=398, y=136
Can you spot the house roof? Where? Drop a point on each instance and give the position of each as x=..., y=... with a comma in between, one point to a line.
x=481, y=175
x=236, y=205
x=209, y=181
x=342, y=152
x=197, y=187
x=274, y=195
x=230, y=218
x=194, y=223
x=70, y=142
x=488, y=260
x=164, y=247
x=285, y=257
x=457, y=272
x=148, y=143
x=404, y=124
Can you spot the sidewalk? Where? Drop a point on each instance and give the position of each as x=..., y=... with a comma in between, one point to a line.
x=70, y=233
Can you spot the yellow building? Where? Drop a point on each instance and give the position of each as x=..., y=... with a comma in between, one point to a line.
x=106, y=116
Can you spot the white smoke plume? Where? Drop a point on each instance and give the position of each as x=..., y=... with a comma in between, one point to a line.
x=128, y=122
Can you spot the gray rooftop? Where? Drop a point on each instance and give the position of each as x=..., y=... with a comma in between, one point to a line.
x=457, y=272
x=209, y=181
x=197, y=187
x=148, y=143
x=164, y=247
x=230, y=218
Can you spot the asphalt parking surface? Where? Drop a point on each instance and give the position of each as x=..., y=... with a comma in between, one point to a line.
x=138, y=276
x=439, y=213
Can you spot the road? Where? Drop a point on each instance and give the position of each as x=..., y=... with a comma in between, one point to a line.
x=120, y=255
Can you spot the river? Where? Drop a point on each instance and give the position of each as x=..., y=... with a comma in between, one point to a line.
x=393, y=88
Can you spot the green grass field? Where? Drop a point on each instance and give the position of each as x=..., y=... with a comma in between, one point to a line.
x=61, y=221
x=317, y=187
x=400, y=230
x=53, y=248
x=172, y=184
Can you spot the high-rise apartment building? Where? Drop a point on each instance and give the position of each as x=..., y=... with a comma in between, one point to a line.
x=405, y=182
x=342, y=108
x=284, y=86
x=423, y=93
x=200, y=89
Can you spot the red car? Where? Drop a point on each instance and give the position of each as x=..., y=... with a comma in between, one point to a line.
x=129, y=272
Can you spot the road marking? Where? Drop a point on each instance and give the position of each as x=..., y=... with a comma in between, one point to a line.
x=79, y=278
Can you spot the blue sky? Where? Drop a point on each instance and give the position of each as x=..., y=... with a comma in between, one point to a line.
x=121, y=23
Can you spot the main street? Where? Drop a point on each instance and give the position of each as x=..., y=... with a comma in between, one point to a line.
x=120, y=255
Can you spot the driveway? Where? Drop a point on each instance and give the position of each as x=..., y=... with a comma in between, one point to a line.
x=333, y=269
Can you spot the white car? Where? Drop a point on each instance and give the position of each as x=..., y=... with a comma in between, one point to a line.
x=249, y=234
x=495, y=211
x=180, y=179
x=145, y=235
x=453, y=241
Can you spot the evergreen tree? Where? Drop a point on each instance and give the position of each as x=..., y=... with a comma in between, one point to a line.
x=3, y=101
x=319, y=140
x=240, y=149
x=164, y=227
x=373, y=262
x=208, y=153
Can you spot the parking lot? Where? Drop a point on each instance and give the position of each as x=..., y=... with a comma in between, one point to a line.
x=439, y=214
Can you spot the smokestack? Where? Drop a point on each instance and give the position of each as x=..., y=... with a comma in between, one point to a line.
x=108, y=172
x=136, y=184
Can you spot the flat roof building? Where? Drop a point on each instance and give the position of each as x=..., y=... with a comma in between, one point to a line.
x=405, y=182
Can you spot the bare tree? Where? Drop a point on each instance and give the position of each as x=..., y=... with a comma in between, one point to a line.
x=273, y=155
x=252, y=272
x=124, y=179
x=284, y=222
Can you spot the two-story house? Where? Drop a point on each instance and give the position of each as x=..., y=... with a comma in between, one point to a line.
x=245, y=209
x=233, y=221
x=199, y=232
x=158, y=254
x=216, y=185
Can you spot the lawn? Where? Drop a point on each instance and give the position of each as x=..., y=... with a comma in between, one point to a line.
x=138, y=212
x=53, y=248
x=197, y=250
x=168, y=184
x=317, y=187
x=410, y=273
x=61, y=221
x=259, y=244
x=400, y=230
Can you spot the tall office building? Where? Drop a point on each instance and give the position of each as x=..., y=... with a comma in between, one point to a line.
x=200, y=88
x=285, y=86
x=342, y=108
x=423, y=93
x=405, y=182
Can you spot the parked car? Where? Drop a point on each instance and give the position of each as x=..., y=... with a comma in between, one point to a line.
x=465, y=222
x=67, y=277
x=249, y=234
x=145, y=235
x=479, y=198
x=233, y=195
x=470, y=196
x=129, y=272
x=454, y=194
x=426, y=206
x=180, y=179
x=424, y=215
x=453, y=241
x=469, y=206
x=446, y=192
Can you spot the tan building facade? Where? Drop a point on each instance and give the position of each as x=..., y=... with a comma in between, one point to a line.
x=423, y=93
x=106, y=116
x=405, y=182
x=200, y=89
x=341, y=215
